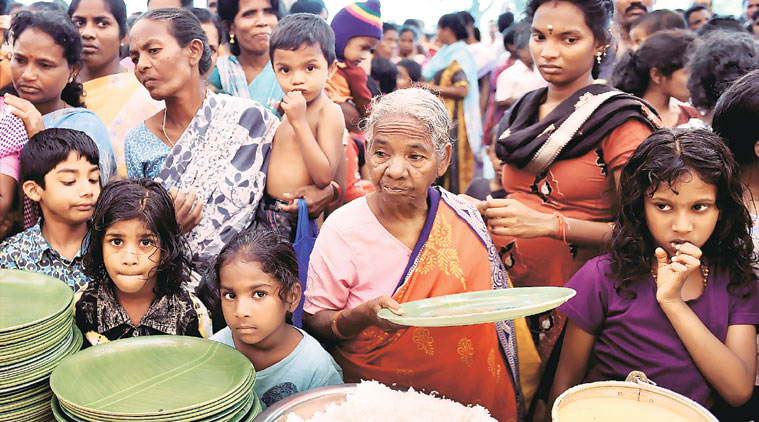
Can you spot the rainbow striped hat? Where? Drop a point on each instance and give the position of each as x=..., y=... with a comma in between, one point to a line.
x=361, y=19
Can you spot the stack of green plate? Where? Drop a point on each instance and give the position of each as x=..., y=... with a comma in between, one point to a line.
x=156, y=378
x=36, y=332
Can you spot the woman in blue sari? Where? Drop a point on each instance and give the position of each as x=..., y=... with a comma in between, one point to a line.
x=248, y=72
x=452, y=72
x=46, y=58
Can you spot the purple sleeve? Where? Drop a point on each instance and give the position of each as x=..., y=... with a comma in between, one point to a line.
x=744, y=307
x=588, y=308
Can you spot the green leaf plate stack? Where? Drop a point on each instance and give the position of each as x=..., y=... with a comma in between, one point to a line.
x=155, y=378
x=36, y=332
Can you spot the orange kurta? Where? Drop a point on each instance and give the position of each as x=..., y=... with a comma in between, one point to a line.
x=465, y=363
x=581, y=188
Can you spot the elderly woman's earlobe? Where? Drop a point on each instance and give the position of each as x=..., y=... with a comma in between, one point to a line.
x=445, y=161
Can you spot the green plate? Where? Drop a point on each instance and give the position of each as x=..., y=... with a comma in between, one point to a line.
x=57, y=411
x=257, y=409
x=23, y=352
x=479, y=307
x=228, y=405
x=24, y=334
x=21, y=382
x=236, y=413
x=150, y=376
x=28, y=392
x=29, y=401
x=54, y=355
x=29, y=298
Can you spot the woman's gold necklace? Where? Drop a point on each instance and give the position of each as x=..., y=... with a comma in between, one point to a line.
x=163, y=127
x=704, y=273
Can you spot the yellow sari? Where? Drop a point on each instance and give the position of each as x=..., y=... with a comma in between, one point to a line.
x=122, y=103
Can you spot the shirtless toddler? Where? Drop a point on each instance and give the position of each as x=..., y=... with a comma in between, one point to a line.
x=307, y=146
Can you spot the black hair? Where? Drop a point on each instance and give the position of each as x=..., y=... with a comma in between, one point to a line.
x=149, y=202
x=720, y=23
x=185, y=28
x=664, y=50
x=63, y=32
x=466, y=17
x=308, y=6
x=598, y=14
x=271, y=251
x=659, y=20
x=522, y=35
x=411, y=29
x=303, y=28
x=664, y=158
x=46, y=6
x=693, y=9
x=117, y=9
x=477, y=34
x=132, y=19
x=3, y=7
x=716, y=61
x=50, y=147
x=509, y=36
x=734, y=117
x=413, y=68
x=227, y=10
x=385, y=73
x=455, y=23
x=504, y=21
x=416, y=23
x=387, y=26
x=184, y=4
x=205, y=16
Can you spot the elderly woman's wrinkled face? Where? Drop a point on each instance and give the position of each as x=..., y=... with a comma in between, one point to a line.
x=402, y=159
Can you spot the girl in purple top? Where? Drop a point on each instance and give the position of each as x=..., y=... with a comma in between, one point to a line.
x=676, y=298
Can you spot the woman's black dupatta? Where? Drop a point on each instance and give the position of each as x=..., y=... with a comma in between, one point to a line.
x=521, y=135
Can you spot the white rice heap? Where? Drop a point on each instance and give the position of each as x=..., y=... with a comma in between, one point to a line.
x=373, y=401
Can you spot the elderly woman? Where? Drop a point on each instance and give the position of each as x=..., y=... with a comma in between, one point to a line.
x=209, y=150
x=404, y=242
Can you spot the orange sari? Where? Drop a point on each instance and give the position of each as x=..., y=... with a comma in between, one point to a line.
x=473, y=364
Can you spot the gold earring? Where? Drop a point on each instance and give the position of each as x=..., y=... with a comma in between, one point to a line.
x=71, y=79
x=231, y=38
x=599, y=56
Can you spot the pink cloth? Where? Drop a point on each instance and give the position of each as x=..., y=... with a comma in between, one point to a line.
x=11, y=166
x=343, y=271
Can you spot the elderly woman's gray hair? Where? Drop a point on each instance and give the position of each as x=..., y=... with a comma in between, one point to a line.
x=417, y=103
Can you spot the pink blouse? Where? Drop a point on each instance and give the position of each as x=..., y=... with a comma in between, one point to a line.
x=355, y=259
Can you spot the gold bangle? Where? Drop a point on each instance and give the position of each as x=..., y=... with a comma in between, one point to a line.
x=335, y=330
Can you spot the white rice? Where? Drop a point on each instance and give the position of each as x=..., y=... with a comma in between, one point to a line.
x=372, y=401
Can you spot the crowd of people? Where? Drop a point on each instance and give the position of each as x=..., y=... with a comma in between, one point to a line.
x=172, y=168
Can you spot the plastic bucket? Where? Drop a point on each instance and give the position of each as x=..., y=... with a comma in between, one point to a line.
x=634, y=400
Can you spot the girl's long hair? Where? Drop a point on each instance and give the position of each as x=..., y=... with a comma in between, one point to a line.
x=147, y=201
x=664, y=158
x=270, y=250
